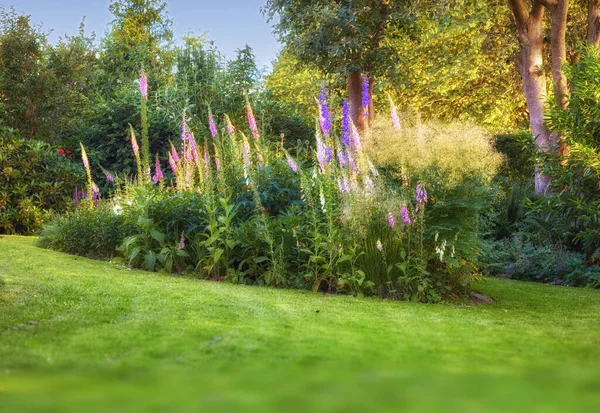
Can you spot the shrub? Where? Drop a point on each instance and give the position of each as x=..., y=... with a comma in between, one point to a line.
x=522, y=260
x=89, y=232
x=574, y=206
x=36, y=181
x=458, y=163
x=241, y=209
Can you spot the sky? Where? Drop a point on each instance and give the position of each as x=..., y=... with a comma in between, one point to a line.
x=231, y=24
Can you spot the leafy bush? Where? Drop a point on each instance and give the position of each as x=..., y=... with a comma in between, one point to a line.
x=89, y=232
x=243, y=210
x=523, y=260
x=459, y=163
x=574, y=206
x=35, y=182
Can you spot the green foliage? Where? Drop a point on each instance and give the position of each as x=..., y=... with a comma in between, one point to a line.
x=456, y=62
x=574, y=207
x=458, y=163
x=35, y=182
x=339, y=37
x=87, y=231
x=139, y=39
x=44, y=88
x=522, y=260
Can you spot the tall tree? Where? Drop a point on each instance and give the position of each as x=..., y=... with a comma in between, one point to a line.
x=23, y=53
x=139, y=39
x=531, y=34
x=342, y=36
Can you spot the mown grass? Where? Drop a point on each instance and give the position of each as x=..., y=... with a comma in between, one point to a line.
x=82, y=335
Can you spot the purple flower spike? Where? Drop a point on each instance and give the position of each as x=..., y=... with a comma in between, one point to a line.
x=158, y=172
x=144, y=85
x=342, y=158
x=345, y=124
x=182, y=242
x=211, y=125
x=206, y=157
x=421, y=194
x=324, y=119
x=355, y=136
x=328, y=154
x=84, y=159
x=109, y=176
x=292, y=164
x=252, y=121
x=230, y=128
x=391, y=220
x=173, y=164
x=217, y=163
x=346, y=185
x=320, y=153
x=246, y=152
x=134, y=145
x=174, y=154
x=379, y=245
x=405, y=216
x=95, y=193
x=352, y=163
x=365, y=96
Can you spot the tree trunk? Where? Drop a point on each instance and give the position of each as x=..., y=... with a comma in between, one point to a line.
x=355, y=101
x=558, y=42
x=559, y=51
x=593, y=32
x=530, y=31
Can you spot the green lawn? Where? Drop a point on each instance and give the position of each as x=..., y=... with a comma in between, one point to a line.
x=82, y=335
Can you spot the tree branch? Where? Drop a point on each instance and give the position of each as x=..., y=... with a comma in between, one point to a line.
x=549, y=4
x=520, y=12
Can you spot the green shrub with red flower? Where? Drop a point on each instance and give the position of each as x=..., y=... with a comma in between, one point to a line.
x=237, y=207
x=36, y=181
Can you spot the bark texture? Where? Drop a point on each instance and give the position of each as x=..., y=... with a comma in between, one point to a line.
x=593, y=32
x=355, y=102
x=530, y=32
x=558, y=42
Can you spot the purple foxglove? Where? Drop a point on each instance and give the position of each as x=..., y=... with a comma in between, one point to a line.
x=211, y=124
x=230, y=128
x=421, y=194
x=405, y=216
x=174, y=154
x=246, y=152
x=391, y=220
x=365, y=96
x=345, y=124
x=292, y=163
x=144, y=85
x=173, y=164
x=252, y=121
x=134, y=145
x=324, y=118
x=84, y=158
x=158, y=172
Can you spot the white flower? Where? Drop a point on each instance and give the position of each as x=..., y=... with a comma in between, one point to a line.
x=322, y=199
x=118, y=210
